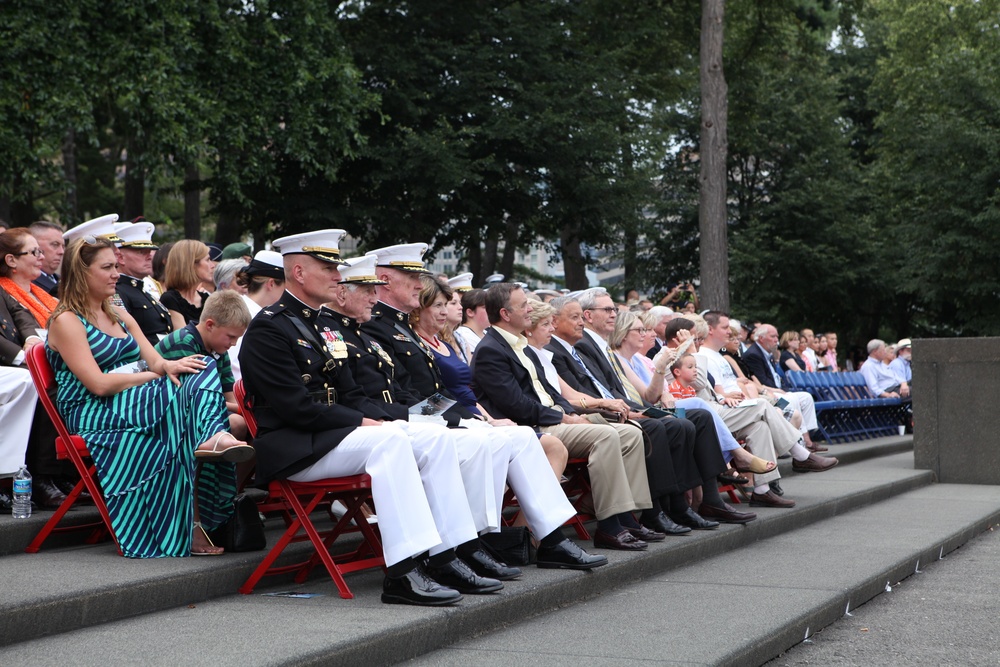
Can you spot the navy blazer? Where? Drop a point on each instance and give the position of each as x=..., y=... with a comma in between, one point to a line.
x=503, y=385
x=570, y=372
x=760, y=367
x=596, y=360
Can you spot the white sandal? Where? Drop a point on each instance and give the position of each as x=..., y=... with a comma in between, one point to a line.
x=197, y=525
x=231, y=454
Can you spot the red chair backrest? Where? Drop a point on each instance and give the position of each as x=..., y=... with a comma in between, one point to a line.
x=245, y=404
x=45, y=384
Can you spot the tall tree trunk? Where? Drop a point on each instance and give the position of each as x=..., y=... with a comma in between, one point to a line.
x=509, y=249
x=5, y=210
x=192, y=202
x=574, y=266
x=22, y=212
x=135, y=184
x=474, y=257
x=69, y=173
x=229, y=228
x=490, y=252
x=714, y=250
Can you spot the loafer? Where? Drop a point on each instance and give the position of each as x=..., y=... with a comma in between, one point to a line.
x=817, y=448
x=567, y=555
x=726, y=514
x=415, y=587
x=45, y=493
x=623, y=541
x=486, y=565
x=459, y=576
x=815, y=463
x=776, y=488
x=691, y=519
x=769, y=499
x=646, y=534
x=664, y=524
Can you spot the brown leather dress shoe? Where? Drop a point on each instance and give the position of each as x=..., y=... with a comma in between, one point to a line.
x=725, y=514
x=770, y=499
x=815, y=463
x=623, y=541
x=45, y=494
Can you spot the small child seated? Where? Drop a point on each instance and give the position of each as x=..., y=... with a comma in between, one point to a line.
x=684, y=371
x=224, y=319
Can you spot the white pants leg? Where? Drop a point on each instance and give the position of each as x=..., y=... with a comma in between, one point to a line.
x=17, y=411
x=807, y=406
x=481, y=459
x=384, y=452
x=530, y=476
x=446, y=488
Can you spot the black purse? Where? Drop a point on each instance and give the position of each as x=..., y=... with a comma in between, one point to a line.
x=244, y=531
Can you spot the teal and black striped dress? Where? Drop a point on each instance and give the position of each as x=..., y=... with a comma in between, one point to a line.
x=142, y=441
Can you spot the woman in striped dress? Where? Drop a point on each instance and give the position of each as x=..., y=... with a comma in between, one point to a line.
x=145, y=419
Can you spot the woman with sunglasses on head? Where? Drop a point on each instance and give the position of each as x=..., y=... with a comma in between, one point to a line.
x=146, y=420
x=21, y=261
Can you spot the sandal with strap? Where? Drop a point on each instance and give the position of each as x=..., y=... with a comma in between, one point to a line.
x=758, y=466
x=211, y=545
x=732, y=477
x=234, y=453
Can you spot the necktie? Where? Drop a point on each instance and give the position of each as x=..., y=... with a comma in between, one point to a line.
x=600, y=387
x=630, y=389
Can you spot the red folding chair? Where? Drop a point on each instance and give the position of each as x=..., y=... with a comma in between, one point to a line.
x=297, y=501
x=577, y=489
x=70, y=447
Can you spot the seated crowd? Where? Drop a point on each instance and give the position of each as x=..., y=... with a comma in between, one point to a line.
x=147, y=343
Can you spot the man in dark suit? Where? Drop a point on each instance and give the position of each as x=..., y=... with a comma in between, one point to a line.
x=692, y=442
x=137, y=250
x=50, y=241
x=539, y=494
x=759, y=359
x=510, y=383
x=314, y=423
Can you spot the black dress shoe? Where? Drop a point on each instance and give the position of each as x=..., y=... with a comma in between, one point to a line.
x=647, y=534
x=45, y=493
x=776, y=488
x=664, y=524
x=415, y=587
x=569, y=556
x=66, y=486
x=726, y=514
x=456, y=574
x=6, y=503
x=691, y=519
x=485, y=565
x=623, y=541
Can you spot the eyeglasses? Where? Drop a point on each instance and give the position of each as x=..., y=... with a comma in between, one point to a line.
x=642, y=332
x=37, y=252
x=606, y=309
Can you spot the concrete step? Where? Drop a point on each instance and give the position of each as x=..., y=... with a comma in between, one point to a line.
x=77, y=588
x=747, y=607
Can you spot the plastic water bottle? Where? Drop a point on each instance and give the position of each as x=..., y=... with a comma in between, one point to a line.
x=22, y=494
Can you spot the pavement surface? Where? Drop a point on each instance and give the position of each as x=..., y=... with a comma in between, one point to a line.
x=946, y=615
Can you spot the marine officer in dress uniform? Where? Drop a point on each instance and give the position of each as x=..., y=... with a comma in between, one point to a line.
x=517, y=456
x=137, y=248
x=314, y=423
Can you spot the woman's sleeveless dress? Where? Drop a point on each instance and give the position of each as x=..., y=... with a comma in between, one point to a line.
x=142, y=441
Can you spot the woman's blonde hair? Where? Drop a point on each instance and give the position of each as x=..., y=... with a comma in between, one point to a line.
x=539, y=311
x=787, y=338
x=180, y=273
x=623, y=323
x=74, y=294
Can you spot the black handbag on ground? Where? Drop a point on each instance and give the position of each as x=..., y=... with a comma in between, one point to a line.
x=512, y=545
x=244, y=531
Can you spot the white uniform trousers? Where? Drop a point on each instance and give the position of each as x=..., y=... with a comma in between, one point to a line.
x=476, y=465
x=416, y=485
x=529, y=475
x=17, y=410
